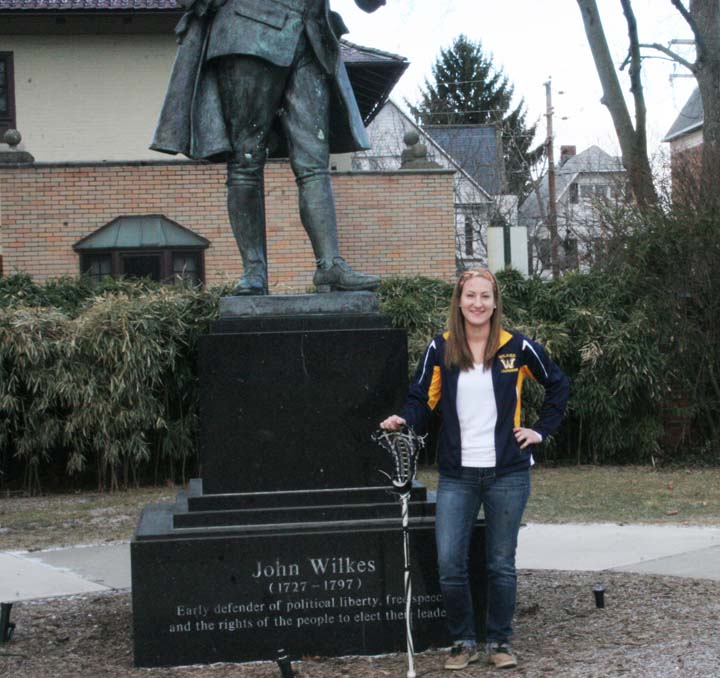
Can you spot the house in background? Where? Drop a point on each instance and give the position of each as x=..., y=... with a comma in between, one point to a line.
x=585, y=184
x=84, y=82
x=686, y=139
x=473, y=152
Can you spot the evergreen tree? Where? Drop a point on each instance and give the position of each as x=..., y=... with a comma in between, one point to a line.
x=467, y=89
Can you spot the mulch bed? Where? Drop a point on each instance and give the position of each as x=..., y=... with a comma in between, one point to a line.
x=651, y=627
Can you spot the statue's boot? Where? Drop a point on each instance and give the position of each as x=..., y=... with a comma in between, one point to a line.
x=247, y=218
x=317, y=212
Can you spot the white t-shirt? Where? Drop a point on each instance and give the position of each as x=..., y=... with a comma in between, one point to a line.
x=477, y=413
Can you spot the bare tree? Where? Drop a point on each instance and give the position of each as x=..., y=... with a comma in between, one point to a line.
x=703, y=18
x=632, y=138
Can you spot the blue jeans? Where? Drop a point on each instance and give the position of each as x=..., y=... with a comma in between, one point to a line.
x=458, y=504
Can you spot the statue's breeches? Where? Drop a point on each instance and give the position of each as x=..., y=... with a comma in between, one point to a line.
x=253, y=91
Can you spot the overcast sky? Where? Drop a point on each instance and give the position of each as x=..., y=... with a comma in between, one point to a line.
x=533, y=40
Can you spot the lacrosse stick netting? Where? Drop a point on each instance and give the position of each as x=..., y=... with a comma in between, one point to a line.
x=404, y=447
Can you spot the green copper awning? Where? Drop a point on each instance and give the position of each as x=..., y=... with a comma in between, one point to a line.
x=147, y=231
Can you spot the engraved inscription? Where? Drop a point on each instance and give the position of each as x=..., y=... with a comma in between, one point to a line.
x=309, y=592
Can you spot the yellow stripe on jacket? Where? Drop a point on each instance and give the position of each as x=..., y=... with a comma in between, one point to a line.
x=435, y=390
x=523, y=372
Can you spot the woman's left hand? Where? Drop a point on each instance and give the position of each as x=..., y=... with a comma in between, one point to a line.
x=526, y=436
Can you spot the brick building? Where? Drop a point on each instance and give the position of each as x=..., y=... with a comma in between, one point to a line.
x=389, y=223
x=686, y=140
x=83, y=82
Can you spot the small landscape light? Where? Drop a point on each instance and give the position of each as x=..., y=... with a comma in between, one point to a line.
x=6, y=626
x=599, y=591
x=283, y=661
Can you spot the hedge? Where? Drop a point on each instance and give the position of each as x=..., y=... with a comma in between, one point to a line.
x=98, y=384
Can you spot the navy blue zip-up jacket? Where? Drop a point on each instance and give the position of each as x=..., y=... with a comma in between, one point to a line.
x=517, y=358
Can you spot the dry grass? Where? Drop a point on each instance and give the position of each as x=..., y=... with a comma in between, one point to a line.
x=652, y=627
x=620, y=494
x=65, y=519
x=632, y=494
x=627, y=494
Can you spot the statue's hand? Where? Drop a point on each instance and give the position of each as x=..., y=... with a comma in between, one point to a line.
x=369, y=5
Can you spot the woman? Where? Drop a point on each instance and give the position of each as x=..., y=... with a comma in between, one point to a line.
x=473, y=373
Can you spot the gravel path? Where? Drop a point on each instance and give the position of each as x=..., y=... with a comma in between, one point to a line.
x=654, y=627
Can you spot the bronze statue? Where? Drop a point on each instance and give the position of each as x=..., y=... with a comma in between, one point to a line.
x=259, y=78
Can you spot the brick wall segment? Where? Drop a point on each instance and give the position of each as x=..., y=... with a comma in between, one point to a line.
x=389, y=223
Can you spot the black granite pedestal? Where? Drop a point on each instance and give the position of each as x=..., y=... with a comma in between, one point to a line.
x=289, y=401
x=291, y=539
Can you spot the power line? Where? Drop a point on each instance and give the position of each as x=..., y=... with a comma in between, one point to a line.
x=462, y=82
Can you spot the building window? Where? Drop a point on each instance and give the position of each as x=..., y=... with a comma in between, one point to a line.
x=570, y=253
x=96, y=266
x=143, y=265
x=594, y=191
x=144, y=246
x=7, y=93
x=574, y=193
x=184, y=267
x=469, y=237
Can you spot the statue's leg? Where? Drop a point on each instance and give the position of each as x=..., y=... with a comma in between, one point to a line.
x=306, y=124
x=246, y=209
x=251, y=92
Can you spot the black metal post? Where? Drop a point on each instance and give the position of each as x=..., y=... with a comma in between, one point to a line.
x=6, y=626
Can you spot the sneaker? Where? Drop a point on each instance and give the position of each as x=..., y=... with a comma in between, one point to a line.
x=500, y=655
x=461, y=656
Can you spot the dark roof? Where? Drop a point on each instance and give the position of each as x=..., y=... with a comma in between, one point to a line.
x=88, y=5
x=475, y=148
x=373, y=74
x=136, y=231
x=358, y=53
x=84, y=5
x=690, y=118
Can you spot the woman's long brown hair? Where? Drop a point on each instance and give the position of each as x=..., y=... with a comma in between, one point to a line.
x=457, y=351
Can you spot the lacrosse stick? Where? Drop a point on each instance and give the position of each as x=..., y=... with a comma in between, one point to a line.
x=403, y=447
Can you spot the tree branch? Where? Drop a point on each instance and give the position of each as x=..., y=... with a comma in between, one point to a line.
x=633, y=140
x=612, y=93
x=685, y=14
x=635, y=72
x=668, y=52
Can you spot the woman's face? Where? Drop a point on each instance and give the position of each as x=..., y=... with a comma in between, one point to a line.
x=477, y=301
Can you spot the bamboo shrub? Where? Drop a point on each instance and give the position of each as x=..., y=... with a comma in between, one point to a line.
x=420, y=306
x=600, y=334
x=111, y=389
x=32, y=397
x=100, y=381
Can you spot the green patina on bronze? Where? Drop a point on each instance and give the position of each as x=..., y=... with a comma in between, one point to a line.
x=254, y=80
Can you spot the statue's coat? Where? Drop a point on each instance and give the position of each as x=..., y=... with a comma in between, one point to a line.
x=191, y=121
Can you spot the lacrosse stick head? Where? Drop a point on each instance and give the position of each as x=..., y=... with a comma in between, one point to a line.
x=403, y=447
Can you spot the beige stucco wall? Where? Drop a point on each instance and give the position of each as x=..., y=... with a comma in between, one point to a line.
x=90, y=97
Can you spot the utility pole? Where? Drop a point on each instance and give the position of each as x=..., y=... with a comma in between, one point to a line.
x=552, y=207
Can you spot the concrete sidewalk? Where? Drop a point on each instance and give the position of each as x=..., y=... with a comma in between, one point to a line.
x=677, y=551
